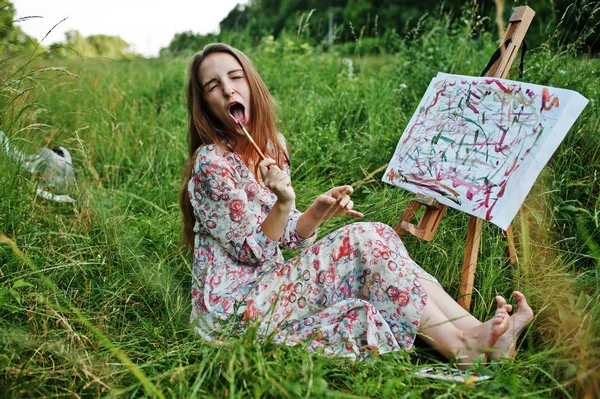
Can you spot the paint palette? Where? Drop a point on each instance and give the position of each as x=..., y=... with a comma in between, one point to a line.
x=450, y=374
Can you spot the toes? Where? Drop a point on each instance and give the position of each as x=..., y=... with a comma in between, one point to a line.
x=508, y=308
x=500, y=316
x=500, y=301
x=522, y=305
x=503, y=319
x=519, y=296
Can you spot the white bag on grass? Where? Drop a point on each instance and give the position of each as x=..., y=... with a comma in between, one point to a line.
x=51, y=166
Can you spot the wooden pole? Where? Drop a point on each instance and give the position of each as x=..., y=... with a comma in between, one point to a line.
x=470, y=262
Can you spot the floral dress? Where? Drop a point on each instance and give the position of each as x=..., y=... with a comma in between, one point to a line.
x=353, y=293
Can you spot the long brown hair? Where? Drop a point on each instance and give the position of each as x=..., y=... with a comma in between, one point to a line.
x=204, y=128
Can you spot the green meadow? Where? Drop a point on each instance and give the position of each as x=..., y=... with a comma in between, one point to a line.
x=95, y=295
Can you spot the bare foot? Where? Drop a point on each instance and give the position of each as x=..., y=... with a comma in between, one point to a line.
x=506, y=345
x=481, y=339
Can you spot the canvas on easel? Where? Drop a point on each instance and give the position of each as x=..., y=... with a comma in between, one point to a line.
x=477, y=144
x=439, y=188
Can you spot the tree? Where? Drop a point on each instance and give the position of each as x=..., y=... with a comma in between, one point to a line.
x=108, y=46
x=236, y=20
x=96, y=45
x=12, y=38
x=187, y=42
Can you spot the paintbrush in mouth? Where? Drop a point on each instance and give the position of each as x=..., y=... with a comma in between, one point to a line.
x=250, y=139
x=237, y=113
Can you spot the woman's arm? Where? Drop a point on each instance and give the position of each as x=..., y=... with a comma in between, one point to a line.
x=276, y=220
x=279, y=182
x=335, y=202
x=222, y=210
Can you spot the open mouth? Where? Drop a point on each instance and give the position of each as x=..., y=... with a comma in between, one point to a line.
x=237, y=112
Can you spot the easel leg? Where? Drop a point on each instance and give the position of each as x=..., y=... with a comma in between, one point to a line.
x=470, y=262
x=407, y=216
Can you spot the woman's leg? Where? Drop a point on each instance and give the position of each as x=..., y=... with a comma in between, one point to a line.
x=463, y=320
x=359, y=277
x=463, y=345
x=366, y=265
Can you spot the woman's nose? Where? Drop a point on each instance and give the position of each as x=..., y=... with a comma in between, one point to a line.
x=228, y=90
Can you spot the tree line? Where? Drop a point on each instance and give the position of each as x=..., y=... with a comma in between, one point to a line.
x=378, y=26
x=14, y=40
x=343, y=22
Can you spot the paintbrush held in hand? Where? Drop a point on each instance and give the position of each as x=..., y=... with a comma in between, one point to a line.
x=262, y=156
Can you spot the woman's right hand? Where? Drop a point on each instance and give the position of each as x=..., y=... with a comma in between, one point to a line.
x=277, y=181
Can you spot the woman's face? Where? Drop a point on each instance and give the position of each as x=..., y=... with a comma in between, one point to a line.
x=225, y=89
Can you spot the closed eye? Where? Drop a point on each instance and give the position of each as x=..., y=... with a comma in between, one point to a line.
x=237, y=74
x=213, y=86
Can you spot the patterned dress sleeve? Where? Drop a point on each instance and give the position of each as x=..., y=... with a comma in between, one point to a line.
x=290, y=238
x=222, y=211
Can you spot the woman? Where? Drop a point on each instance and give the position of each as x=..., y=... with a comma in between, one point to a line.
x=353, y=293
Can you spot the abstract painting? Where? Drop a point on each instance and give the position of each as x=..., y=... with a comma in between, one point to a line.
x=478, y=143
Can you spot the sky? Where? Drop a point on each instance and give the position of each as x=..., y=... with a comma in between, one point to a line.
x=146, y=25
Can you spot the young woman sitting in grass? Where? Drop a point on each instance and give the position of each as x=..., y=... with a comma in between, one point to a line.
x=353, y=293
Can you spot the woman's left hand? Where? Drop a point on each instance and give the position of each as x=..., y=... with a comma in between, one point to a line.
x=335, y=202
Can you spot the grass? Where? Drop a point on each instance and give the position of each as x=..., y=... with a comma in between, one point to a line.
x=94, y=297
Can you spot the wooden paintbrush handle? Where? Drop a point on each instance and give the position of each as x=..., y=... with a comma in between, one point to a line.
x=262, y=156
x=251, y=140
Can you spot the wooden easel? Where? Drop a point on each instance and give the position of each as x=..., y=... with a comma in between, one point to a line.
x=434, y=211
